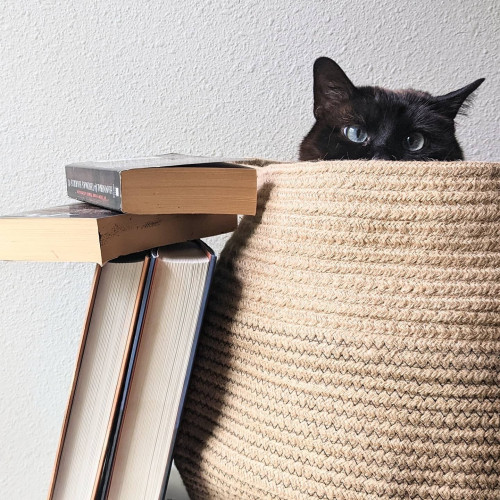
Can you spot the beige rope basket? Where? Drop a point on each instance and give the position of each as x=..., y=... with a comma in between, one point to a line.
x=351, y=347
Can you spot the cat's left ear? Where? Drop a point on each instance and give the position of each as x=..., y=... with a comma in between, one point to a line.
x=450, y=104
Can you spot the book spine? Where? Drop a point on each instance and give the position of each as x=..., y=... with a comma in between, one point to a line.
x=100, y=187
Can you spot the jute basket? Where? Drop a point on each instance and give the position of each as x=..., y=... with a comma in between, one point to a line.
x=351, y=348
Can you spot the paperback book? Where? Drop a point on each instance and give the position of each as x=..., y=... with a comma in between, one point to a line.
x=81, y=232
x=166, y=184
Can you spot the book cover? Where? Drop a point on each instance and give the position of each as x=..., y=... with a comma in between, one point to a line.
x=69, y=211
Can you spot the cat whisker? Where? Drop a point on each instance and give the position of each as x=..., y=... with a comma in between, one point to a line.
x=328, y=144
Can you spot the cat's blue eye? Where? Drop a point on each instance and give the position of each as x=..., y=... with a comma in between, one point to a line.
x=415, y=141
x=355, y=134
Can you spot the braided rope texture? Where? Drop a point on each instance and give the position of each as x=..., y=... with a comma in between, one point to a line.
x=351, y=346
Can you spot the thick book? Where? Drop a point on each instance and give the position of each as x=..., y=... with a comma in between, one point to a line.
x=80, y=232
x=166, y=184
x=131, y=377
x=112, y=324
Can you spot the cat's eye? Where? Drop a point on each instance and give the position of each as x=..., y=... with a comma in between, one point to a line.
x=415, y=141
x=355, y=133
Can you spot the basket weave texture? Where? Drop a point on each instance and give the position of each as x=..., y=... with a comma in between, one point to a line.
x=351, y=346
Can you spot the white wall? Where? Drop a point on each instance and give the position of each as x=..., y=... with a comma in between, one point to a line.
x=83, y=79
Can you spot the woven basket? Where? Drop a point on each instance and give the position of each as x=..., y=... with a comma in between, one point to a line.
x=351, y=348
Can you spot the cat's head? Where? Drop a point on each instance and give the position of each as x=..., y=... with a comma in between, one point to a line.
x=375, y=123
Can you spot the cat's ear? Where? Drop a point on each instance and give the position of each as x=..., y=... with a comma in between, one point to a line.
x=450, y=104
x=331, y=85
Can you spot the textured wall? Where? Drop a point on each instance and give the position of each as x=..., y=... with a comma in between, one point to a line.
x=87, y=79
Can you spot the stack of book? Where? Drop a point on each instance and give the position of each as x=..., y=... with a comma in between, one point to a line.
x=140, y=221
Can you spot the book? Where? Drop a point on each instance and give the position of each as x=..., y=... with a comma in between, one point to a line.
x=144, y=450
x=110, y=327
x=166, y=184
x=80, y=232
x=131, y=377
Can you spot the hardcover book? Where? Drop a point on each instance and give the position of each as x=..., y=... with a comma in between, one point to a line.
x=111, y=327
x=166, y=184
x=81, y=232
x=131, y=377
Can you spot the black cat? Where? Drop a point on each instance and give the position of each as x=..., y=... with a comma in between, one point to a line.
x=376, y=123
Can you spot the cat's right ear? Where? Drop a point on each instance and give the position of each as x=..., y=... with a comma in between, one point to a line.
x=331, y=86
x=458, y=101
